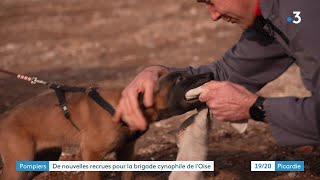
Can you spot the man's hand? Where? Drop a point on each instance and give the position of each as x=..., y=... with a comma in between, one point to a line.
x=227, y=101
x=128, y=108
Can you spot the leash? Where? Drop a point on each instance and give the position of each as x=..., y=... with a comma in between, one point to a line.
x=60, y=91
x=32, y=80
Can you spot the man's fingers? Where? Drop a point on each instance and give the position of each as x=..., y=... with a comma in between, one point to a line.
x=148, y=94
x=214, y=85
x=132, y=113
x=117, y=115
x=239, y=87
x=136, y=121
x=210, y=89
x=207, y=95
x=211, y=104
x=132, y=102
x=127, y=109
x=140, y=122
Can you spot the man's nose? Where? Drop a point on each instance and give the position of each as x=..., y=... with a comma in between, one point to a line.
x=214, y=14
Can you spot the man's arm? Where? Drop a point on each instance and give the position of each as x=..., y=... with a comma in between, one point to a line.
x=294, y=120
x=254, y=62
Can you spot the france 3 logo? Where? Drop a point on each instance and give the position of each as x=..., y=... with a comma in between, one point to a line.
x=297, y=17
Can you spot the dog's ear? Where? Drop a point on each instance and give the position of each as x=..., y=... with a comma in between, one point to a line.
x=157, y=89
x=160, y=99
x=158, y=83
x=161, y=91
x=151, y=113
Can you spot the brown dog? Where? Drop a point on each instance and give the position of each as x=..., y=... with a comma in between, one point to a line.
x=37, y=129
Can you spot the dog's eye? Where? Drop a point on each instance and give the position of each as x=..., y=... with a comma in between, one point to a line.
x=179, y=79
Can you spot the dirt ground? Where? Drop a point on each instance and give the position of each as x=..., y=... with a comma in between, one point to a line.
x=78, y=42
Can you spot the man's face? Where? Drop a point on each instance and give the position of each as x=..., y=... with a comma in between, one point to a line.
x=241, y=12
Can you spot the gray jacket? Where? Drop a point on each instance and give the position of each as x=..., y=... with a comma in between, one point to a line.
x=264, y=52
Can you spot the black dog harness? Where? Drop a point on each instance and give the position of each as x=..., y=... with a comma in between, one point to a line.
x=94, y=95
x=61, y=95
x=61, y=90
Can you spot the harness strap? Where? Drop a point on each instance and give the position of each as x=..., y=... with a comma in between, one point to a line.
x=95, y=96
x=67, y=88
x=60, y=93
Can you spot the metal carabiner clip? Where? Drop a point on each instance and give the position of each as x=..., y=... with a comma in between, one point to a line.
x=34, y=80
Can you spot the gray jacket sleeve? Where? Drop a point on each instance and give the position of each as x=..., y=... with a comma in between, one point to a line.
x=253, y=62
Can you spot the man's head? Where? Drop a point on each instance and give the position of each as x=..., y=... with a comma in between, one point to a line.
x=241, y=12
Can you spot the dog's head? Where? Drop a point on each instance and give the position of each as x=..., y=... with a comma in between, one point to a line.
x=169, y=94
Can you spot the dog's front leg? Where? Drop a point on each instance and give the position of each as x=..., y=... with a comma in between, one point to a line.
x=90, y=155
x=14, y=147
x=126, y=153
